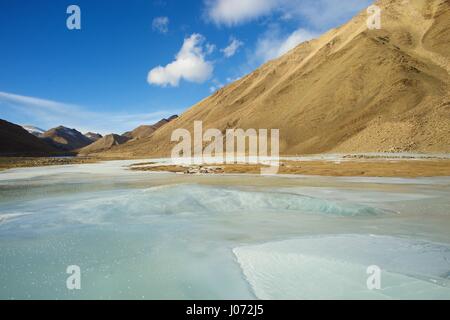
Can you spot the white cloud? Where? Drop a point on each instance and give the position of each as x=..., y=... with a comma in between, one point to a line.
x=232, y=48
x=48, y=114
x=319, y=14
x=161, y=24
x=233, y=12
x=274, y=44
x=189, y=64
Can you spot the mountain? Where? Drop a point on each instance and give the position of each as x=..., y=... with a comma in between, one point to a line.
x=35, y=131
x=93, y=136
x=147, y=130
x=66, y=139
x=113, y=141
x=16, y=141
x=140, y=132
x=103, y=144
x=350, y=90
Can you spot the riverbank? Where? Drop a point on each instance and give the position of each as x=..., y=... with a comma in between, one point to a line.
x=348, y=168
x=27, y=162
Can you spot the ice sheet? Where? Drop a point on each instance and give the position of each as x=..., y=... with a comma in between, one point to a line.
x=139, y=206
x=335, y=267
x=161, y=236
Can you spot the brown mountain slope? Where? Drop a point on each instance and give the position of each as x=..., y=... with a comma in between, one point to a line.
x=66, y=139
x=351, y=90
x=16, y=141
x=103, y=144
x=140, y=132
x=147, y=130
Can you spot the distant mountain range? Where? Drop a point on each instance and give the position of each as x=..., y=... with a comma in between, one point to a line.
x=66, y=139
x=32, y=141
x=105, y=143
x=111, y=141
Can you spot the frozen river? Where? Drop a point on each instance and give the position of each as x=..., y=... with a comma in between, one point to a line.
x=141, y=235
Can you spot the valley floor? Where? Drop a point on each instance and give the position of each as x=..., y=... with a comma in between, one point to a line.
x=369, y=165
x=337, y=166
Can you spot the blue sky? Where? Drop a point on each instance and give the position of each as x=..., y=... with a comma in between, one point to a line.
x=136, y=61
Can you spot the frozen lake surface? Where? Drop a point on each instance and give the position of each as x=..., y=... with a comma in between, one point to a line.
x=141, y=235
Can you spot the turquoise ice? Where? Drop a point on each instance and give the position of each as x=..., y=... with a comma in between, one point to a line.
x=141, y=235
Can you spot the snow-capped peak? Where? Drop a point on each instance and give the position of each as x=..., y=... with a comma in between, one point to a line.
x=34, y=130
